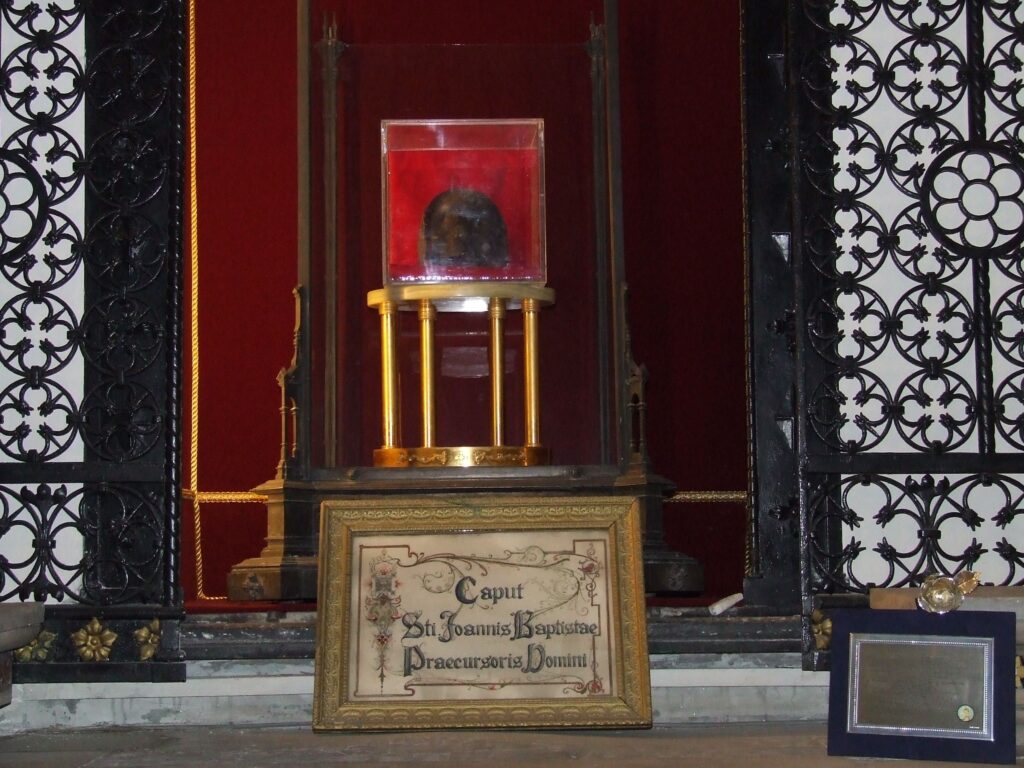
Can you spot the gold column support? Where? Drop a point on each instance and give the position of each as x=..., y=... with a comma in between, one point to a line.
x=531, y=370
x=427, y=315
x=496, y=312
x=389, y=373
x=428, y=300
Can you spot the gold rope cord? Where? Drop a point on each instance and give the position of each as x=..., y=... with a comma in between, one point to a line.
x=198, y=498
x=193, y=474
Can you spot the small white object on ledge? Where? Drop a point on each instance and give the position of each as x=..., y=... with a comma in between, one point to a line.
x=723, y=605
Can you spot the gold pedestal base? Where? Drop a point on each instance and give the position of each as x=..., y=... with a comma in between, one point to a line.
x=463, y=456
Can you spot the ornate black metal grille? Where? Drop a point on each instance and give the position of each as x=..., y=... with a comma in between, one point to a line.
x=41, y=244
x=885, y=158
x=90, y=223
x=909, y=176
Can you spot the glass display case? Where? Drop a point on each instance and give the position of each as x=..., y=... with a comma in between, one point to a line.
x=440, y=100
x=463, y=220
x=479, y=166
x=463, y=201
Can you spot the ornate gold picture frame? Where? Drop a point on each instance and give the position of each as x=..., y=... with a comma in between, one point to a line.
x=481, y=611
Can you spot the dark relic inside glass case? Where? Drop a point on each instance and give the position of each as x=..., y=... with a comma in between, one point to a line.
x=463, y=232
x=480, y=166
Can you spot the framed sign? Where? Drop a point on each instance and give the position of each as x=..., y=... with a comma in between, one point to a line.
x=917, y=685
x=481, y=611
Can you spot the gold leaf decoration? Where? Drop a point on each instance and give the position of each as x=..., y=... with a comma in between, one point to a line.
x=37, y=650
x=147, y=638
x=94, y=641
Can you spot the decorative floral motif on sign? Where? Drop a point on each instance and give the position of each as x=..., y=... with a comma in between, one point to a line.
x=590, y=570
x=381, y=607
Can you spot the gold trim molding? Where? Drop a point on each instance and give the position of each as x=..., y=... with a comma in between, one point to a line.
x=709, y=497
x=462, y=456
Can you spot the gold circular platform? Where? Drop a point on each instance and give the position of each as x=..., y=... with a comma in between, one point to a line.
x=465, y=296
x=463, y=456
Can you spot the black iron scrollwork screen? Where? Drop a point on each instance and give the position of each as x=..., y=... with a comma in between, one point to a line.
x=897, y=127
x=90, y=225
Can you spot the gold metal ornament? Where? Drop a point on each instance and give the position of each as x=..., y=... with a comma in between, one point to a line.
x=94, y=641
x=147, y=639
x=821, y=630
x=708, y=497
x=461, y=456
x=38, y=649
x=942, y=594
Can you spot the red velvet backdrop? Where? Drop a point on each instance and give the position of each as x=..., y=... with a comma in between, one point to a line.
x=683, y=226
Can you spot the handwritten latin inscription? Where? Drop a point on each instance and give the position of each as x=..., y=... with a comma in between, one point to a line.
x=502, y=615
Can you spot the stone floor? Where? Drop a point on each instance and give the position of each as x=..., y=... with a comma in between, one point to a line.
x=703, y=746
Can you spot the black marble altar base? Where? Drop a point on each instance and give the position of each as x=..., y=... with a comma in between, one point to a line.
x=286, y=568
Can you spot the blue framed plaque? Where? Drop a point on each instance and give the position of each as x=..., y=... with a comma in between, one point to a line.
x=915, y=685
